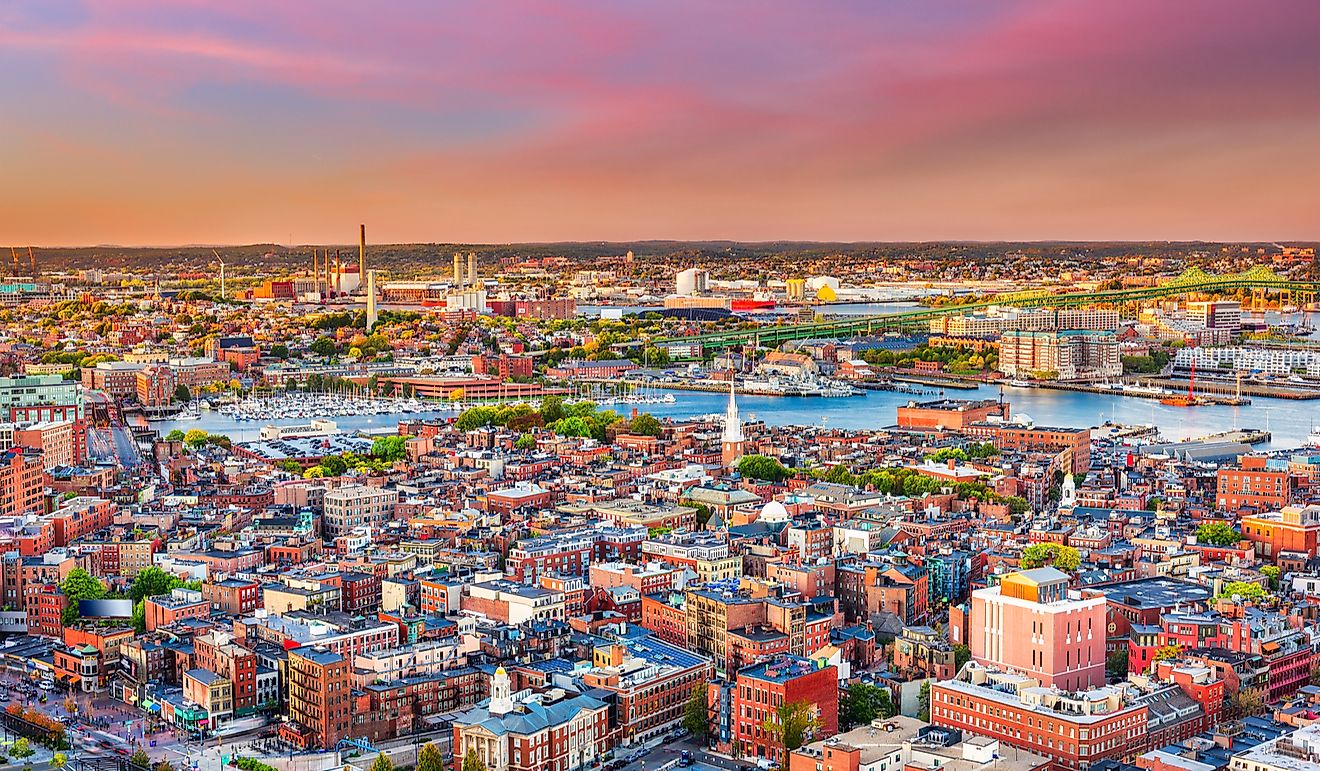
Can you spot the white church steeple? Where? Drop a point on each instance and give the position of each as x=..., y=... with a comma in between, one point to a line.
x=731, y=441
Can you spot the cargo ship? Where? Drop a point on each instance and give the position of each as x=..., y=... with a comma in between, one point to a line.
x=751, y=305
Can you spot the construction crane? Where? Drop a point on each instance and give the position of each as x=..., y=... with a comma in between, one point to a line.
x=221, y=260
x=32, y=257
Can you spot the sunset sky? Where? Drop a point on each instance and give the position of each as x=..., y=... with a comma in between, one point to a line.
x=229, y=121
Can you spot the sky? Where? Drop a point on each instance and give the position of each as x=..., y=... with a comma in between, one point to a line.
x=250, y=121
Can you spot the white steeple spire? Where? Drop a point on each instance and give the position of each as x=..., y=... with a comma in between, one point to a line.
x=732, y=423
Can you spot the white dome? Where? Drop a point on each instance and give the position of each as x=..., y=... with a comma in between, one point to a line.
x=774, y=511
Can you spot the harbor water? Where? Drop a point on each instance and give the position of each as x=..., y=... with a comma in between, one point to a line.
x=1289, y=421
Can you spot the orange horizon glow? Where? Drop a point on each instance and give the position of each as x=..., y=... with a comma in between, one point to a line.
x=206, y=122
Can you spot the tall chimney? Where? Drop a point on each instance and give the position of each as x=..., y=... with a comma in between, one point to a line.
x=316, y=274
x=339, y=274
x=371, y=300
x=329, y=285
x=33, y=257
x=472, y=268
x=362, y=254
x=458, y=270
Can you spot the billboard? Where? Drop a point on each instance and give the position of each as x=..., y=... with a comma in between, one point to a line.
x=105, y=608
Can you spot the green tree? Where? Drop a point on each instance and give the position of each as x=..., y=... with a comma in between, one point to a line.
x=1243, y=589
x=334, y=465
x=174, y=436
x=1217, y=534
x=1116, y=663
x=1056, y=555
x=182, y=394
x=382, y=763
x=390, y=448
x=1017, y=505
x=80, y=585
x=840, y=475
x=150, y=582
x=1272, y=572
x=552, y=409
x=163, y=765
x=862, y=703
x=791, y=724
x=322, y=346
x=195, y=438
x=139, y=619
x=525, y=442
x=696, y=714
x=21, y=748
x=475, y=417
x=140, y=758
x=472, y=761
x=645, y=424
x=961, y=655
x=59, y=760
x=923, y=702
x=762, y=467
x=1166, y=653
x=279, y=351
x=291, y=466
x=429, y=758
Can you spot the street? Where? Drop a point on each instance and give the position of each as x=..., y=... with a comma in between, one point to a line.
x=671, y=749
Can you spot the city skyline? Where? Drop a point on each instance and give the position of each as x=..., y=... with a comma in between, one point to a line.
x=146, y=123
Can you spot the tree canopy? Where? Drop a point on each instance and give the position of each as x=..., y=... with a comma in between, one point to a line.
x=791, y=724
x=762, y=467
x=80, y=585
x=1246, y=591
x=1056, y=555
x=1217, y=534
x=863, y=702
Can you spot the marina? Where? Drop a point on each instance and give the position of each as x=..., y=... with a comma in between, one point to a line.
x=1279, y=417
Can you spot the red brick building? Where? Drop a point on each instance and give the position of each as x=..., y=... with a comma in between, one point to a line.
x=320, y=699
x=949, y=414
x=1252, y=485
x=759, y=690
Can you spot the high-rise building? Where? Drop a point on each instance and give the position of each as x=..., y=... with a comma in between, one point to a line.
x=1216, y=314
x=1029, y=623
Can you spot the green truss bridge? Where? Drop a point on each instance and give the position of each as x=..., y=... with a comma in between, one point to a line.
x=1258, y=280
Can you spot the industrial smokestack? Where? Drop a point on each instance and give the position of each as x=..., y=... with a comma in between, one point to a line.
x=458, y=270
x=33, y=257
x=329, y=286
x=472, y=268
x=371, y=300
x=339, y=274
x=316, y=274
x=362, y=254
